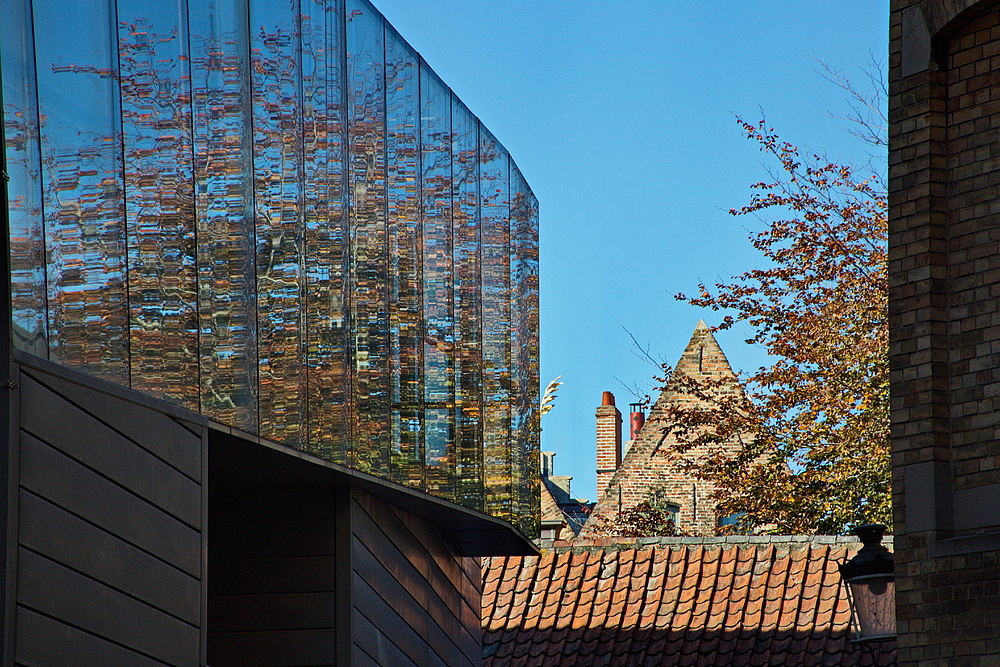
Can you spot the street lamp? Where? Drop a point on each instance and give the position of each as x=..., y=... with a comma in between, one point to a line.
x=871, y=587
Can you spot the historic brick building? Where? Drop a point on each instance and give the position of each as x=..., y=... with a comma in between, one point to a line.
x=944, y=217
x=651, y=468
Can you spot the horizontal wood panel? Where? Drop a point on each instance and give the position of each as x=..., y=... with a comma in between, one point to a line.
x=64, y=426
x=45, y=642
x=266, y=504
x=293, y=537
x=278, y=611
x=61, y=593
x=64, y=482
x=302, y=648
x=306, y=574
x=69, y=540
x=158, y=432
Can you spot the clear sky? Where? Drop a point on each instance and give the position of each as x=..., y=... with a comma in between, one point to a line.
x=621, y=115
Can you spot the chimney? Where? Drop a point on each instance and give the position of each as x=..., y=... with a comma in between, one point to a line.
x=547, y=463
x=609, y=441
x=636, y=419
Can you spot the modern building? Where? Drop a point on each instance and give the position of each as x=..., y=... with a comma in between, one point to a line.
x=944, y=268
x=272, y=373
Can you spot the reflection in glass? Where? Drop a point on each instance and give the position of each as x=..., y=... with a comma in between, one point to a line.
x=403, y=153
x=278, y=174
x=468, y=318
x=325, y=227
x=223, y=197
x=524, y=351
x=159, y=203
x=272, y=211
x=439, y=325
x=82, y=186
x=20, y=117
x=495, y=215
x=369, y=438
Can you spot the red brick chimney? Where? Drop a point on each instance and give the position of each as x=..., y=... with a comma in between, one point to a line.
x=609, y=441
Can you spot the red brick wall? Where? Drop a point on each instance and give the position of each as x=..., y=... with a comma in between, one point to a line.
x=652, y=465
x=609, y=443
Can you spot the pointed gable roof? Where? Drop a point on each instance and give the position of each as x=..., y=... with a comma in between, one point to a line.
x=651, y=462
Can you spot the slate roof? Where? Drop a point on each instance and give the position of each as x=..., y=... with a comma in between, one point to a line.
x=735, y=600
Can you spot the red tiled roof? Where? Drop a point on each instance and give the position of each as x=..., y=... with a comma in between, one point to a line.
x=680, y=601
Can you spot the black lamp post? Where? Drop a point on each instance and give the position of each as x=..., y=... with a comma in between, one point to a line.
x=870, y=581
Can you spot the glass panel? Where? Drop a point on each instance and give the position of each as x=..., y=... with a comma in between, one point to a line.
x=325, y=226
x=468, y=346
x=227, y=308
x=439, y=333
x=81, y=138
x=494, y=189
x=159, y=205
x=403, y=153
x=524, y=351
x=367, y=196
x=275, y=45
x=27, y=242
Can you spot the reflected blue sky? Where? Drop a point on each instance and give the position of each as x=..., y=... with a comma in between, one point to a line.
x=620, y=115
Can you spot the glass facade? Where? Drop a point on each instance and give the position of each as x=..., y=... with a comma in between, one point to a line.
x=274, y=212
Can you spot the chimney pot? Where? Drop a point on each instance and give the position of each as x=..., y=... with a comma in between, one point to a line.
x=608, y=398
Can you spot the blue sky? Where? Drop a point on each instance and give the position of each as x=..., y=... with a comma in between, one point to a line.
x=622, y=118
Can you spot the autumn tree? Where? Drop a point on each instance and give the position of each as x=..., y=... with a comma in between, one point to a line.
x=653, y=517
x=813, y=426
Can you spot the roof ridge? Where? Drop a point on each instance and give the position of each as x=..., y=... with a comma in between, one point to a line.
x=621, y=543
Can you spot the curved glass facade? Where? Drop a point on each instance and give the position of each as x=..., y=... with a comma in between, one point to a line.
x=274, y=212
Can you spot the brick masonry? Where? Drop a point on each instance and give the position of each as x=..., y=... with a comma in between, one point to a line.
x=652, y=464
x=944, y=267
x=609, y=440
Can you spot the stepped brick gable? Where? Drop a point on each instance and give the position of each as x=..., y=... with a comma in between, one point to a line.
x=652, y=464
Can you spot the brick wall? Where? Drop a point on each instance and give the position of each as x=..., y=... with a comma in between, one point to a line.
x=652, y=465
x=609, y=440
x=944, y=217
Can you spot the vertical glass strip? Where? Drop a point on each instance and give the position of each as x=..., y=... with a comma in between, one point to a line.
x=24, y=165
x=496, y=295
x=159, y=207
x=403, y=164
x=468, y=306
x=524, y=351
x=368, y=277
x=325, y=226
x=275, y=51
x=223, y=196
x=82, y=186
x=438, y=282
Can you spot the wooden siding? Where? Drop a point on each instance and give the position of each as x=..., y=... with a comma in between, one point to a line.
x=415, y=602
x=271, y=586
x=109, y=518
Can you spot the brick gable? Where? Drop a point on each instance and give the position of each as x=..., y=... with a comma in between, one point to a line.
x=652, y=464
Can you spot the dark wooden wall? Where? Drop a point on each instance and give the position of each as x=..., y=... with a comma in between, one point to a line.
x=414, y=600
x=109, y=555
x=143, y=535
x=272, y=577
